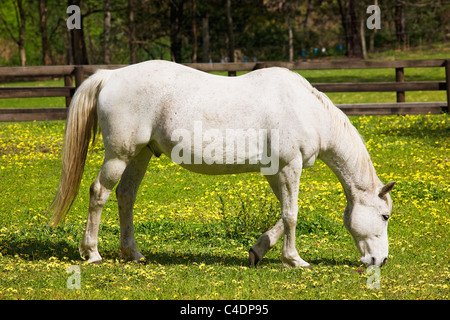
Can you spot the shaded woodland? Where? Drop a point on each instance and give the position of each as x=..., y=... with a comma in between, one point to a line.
x=34, y=32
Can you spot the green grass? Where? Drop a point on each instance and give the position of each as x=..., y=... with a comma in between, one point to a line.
x=377, y=75
x=439, y=50
x=47, y=102
x=195, y=230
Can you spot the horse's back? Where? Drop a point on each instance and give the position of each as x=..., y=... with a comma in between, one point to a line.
x=147, y=102
x=161, y=88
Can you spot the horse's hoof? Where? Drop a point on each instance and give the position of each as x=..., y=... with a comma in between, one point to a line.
x=95, y=261
x=252, y=257
x=296, y=263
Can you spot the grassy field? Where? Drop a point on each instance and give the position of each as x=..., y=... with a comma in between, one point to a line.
x=195, y=230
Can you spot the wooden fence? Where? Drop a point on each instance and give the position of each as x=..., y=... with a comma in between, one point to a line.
x=69, y=73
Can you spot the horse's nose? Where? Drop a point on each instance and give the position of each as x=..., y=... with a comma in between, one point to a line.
x=374, y=262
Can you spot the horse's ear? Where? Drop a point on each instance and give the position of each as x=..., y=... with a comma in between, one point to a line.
x=386, y=189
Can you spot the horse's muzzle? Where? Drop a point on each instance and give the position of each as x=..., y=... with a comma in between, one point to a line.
x=372, y=261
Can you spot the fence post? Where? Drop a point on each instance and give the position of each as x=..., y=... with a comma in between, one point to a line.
x=259, y=65
x=447, y=82
x=79, y=75
x=400, y=77
x=68, y=82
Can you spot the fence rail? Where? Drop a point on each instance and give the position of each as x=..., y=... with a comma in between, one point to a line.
x=78, y=73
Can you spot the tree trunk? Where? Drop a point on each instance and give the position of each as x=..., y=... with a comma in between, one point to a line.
x=20, y=41
x=205, y=38
x=176, y=24
x=363, y=39
x=23, y=56
x=79, y=50
x=308, y=20
x=400, y=28
x=291, y=38
x=107, y=32
x=372, y=35
x=194, y=31
x=230, y=33
x=350, y=24
x=69, y=56
x=132, y=32
x=46, y=60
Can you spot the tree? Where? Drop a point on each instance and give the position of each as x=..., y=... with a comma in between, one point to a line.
x=372, y=34
x=176, y=29
x=289, y=9
x=350, y=24
x=117, y=31
x=132, y=31
x=20, y=39
x=230, y=33
x=46, y=59
x=400, y=24
x=194, y=31
x=205, y=38
x=77, y=40
x=107, y=32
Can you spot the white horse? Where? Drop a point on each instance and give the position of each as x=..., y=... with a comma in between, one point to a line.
x=139, y=107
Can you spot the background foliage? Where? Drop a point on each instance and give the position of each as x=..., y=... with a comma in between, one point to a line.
x=115, y=31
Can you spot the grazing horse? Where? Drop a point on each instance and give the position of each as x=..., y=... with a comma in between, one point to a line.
x=160, y=107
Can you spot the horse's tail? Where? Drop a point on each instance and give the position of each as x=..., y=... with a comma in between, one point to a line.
x=81, y=126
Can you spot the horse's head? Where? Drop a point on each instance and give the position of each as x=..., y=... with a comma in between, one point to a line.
x=367, y=221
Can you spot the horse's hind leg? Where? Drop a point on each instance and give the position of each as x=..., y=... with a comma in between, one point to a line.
x=126, y=196
x=269, y=238
x=100, y=190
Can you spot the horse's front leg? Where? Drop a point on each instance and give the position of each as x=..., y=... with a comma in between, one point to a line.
x=288, y=183
x=265, y=242
x=126, y=196
x=285, y=185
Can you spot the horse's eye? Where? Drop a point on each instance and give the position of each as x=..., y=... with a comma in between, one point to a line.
x=385, y=217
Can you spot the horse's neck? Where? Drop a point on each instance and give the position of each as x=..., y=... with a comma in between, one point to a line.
x=349, y=159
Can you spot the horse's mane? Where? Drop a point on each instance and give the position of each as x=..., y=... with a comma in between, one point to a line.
x=338, y=118
x=344, y=130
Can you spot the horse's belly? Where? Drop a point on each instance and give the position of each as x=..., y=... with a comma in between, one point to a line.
x=220, y=169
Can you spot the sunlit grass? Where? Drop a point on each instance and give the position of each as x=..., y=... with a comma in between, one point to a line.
x=195, y=230
x=46, y=102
